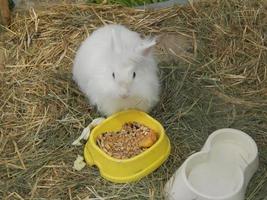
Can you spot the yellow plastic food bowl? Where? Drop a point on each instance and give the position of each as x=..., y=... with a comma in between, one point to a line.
x=133, y=169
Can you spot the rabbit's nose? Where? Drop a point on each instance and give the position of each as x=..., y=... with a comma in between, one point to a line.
x=124, y=93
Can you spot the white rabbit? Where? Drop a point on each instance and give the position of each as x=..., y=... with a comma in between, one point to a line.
x=116, y=70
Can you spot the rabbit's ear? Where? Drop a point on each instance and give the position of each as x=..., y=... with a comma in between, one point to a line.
x=114, y=41
x=147, y=46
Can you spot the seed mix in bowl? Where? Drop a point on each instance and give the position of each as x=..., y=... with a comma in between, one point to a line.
x=131, y=140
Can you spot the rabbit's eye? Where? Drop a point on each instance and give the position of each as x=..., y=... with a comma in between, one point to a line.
x=113, y=75
x=134, y=75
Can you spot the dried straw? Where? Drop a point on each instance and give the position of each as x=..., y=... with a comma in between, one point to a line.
x=219, y=80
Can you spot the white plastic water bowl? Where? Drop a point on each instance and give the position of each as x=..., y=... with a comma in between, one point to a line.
x=220, y=171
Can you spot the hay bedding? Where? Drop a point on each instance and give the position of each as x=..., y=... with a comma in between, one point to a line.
x=42, y=110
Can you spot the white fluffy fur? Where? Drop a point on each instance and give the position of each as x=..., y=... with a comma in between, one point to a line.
x=116, y=49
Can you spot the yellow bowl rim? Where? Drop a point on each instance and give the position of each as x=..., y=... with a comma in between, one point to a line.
x=161, y=136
